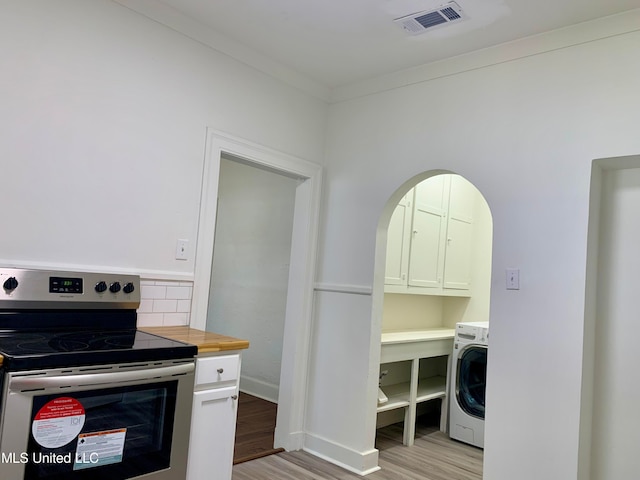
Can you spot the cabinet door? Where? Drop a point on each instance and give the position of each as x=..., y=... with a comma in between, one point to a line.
x=213, y=429
x=398, y=237
x=457, y=269
x=428, y=233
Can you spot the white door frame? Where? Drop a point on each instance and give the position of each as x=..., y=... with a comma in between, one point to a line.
x=292, y=397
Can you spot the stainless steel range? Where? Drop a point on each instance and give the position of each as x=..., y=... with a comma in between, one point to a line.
x=84, y=393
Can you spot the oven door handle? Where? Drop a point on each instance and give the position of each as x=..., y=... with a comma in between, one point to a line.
x=92, y=379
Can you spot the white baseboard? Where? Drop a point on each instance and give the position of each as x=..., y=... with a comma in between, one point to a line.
x=259, y=388
x=361, y=463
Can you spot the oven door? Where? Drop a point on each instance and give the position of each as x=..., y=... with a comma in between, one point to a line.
x=110, y=422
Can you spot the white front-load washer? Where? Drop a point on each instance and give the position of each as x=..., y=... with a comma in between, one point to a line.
x=468, y=382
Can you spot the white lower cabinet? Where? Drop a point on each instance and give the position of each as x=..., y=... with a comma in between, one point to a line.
x=213, y=421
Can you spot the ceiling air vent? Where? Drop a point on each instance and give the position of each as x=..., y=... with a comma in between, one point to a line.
x=420, y=22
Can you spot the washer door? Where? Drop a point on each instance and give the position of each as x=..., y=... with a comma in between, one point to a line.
x=471, y=381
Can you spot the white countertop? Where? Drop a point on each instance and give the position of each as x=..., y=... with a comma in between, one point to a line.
x=408, y=336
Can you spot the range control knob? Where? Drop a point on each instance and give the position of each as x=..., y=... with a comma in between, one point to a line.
x=101, y=286
x=10, y=283
x=128, y=288
x=114, y=287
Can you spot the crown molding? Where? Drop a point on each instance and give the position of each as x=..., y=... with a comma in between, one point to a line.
x=582, y=33
x=586, y=32
x=171, y=18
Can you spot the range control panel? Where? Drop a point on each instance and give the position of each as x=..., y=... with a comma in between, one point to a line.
x=25, y=288
x=65, y=285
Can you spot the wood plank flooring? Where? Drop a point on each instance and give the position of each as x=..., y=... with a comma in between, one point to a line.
x=254, y=428
x=434, y=456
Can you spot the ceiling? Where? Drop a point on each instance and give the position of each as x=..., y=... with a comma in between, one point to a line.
x=339, y=42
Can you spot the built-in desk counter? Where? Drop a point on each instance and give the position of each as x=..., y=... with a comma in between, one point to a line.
x=407, y=344
x=414, y=345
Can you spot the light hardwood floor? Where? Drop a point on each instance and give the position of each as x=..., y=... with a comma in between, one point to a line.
x=434, y=456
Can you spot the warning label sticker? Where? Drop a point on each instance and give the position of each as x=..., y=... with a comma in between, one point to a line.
x=58, y=422
x=99, y=448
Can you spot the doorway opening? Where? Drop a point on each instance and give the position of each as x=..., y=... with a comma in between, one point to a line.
x=433, y=270
x=250, y=270
x=304, y=180
x=608, y=419
x=248, y=289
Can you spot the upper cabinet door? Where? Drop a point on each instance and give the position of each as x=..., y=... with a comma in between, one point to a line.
x=428, y=233
x=398, y=237
x=459, y=243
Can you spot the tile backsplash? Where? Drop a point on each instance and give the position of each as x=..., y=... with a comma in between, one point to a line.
x=164, y=303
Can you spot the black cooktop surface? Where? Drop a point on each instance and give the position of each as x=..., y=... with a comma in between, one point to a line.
x=35, y=349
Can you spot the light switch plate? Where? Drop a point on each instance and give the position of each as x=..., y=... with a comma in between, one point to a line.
x=182, y=249
x=513, y=279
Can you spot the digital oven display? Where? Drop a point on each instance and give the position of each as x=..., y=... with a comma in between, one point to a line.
x=65, y=285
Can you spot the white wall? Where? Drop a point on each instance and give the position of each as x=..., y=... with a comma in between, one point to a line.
x=250, y=270
x=411, y=312
x=616, y=421
x=108, y=110
x=103, y=131
x=524, y=132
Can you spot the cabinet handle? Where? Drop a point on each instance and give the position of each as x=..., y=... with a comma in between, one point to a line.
x=234, y=397
x=220, y=370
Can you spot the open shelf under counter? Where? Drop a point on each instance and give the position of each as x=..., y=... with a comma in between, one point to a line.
x=414, y=346
x=398, y=395
x=431, y=388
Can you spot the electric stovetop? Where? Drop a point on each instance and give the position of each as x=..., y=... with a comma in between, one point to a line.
x=36, y=349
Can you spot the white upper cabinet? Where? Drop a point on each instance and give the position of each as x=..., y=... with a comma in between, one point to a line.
x=462, y=201
x=397, y=264
x=428, y=233
x=430, y=239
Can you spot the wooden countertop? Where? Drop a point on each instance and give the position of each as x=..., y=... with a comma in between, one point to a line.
x=206, y=342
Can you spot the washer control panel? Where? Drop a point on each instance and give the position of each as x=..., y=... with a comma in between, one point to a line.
x=476, y=332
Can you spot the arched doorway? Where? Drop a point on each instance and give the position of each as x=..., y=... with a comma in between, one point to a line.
x=433, y=270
